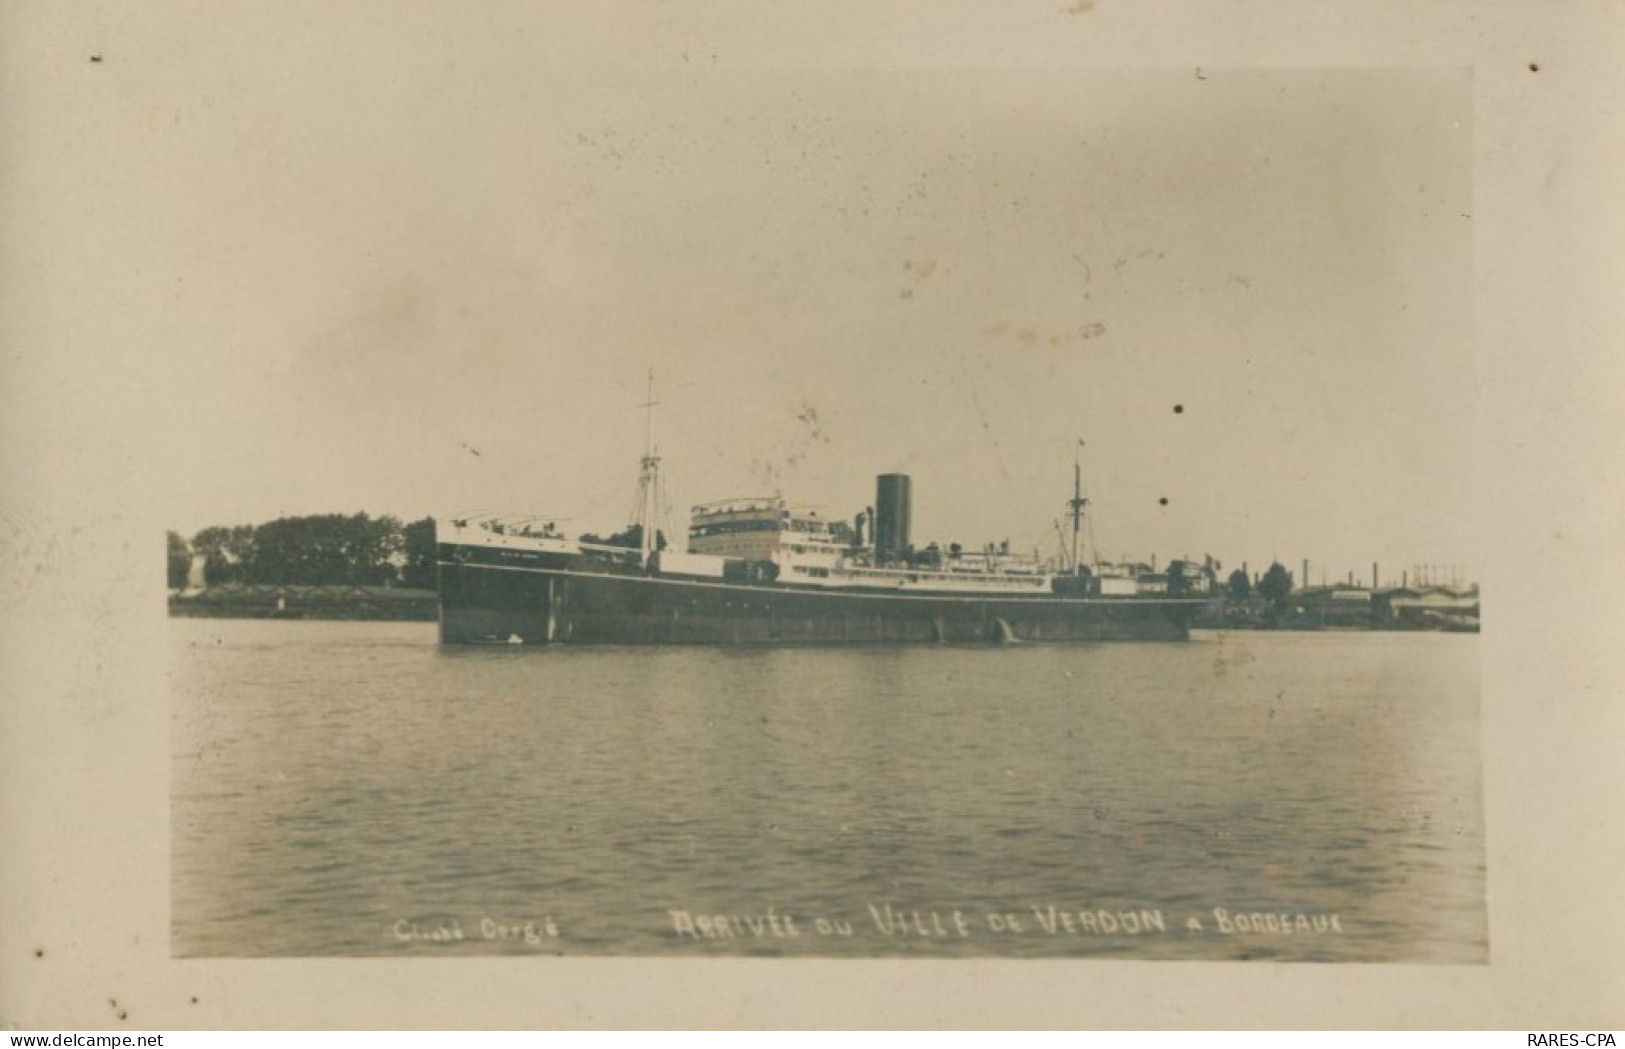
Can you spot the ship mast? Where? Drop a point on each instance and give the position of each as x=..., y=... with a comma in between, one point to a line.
x=648, y=479
x=1076, y=504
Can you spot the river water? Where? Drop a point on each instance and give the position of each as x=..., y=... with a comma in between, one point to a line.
x=355, y=789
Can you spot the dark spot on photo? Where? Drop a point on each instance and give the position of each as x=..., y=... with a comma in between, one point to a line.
x=1163, y=501
x=1179, y=409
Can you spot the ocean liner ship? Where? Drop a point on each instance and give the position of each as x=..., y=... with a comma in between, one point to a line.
x=758, y=570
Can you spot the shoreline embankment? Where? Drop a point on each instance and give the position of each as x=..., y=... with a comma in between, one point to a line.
x=386, y=603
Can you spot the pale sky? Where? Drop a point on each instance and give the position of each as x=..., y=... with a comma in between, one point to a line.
x=435, y=282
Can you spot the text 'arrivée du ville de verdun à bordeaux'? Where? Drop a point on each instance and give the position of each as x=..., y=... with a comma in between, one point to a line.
x=1047, y=920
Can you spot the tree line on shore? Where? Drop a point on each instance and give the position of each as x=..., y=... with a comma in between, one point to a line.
x=1273, y=591
x=314, y=550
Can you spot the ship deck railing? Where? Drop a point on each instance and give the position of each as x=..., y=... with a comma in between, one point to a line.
x=972, y=578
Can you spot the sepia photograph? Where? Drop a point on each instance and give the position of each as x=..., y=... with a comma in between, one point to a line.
x=670, y=511
x=933, y=513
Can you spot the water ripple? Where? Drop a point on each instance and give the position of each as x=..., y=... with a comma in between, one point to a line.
x=352, y=788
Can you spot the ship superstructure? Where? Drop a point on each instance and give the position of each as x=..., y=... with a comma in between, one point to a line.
x=760, y=569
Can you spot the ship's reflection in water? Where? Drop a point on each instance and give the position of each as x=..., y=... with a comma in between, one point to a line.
x=345, y=788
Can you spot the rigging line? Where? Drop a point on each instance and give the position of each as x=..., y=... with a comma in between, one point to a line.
x=606, y=494
x=649, y=416
x=1094, y=546
x=1060, y=541
x=664, y=523
x=634, y=512
x=993, y=442
x=596, y=499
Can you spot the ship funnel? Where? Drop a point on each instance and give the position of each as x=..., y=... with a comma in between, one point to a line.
x=892, y=516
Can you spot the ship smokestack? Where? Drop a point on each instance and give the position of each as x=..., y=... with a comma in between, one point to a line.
x=893, y=510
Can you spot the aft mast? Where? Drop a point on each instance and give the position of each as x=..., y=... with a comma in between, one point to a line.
x=1076, y=504
x=648, y=480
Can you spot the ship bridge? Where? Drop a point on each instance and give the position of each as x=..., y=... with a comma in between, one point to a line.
x=761, y=528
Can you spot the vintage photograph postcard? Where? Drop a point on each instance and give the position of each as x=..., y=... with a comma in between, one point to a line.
x=673, y=485
x=845, y=514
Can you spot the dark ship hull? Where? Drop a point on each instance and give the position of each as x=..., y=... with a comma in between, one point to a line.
x=497, y=596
